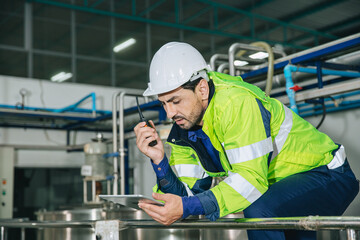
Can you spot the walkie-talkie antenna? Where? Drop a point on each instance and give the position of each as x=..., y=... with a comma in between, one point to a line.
x=142, y=118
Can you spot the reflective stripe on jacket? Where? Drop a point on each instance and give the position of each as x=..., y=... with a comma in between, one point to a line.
x=260, y=141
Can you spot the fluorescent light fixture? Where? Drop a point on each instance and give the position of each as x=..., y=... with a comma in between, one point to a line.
x=124, y=45
x=239, y=63
x=259, y=55
x=60, y=77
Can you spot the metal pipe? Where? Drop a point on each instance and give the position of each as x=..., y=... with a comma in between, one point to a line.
x=216, y=57
x=44, y=147
x=270, y=72
x=93, y=187
x=115, y=148
x=118, y=144
x=47, y=224
x=289, y=82
x=85, y=190
x=233, y=48
x=2, y=233
x=311, y=223
x=222, y=67
x=351, y=234
x=121, y=142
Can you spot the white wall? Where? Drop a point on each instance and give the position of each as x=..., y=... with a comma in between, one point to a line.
x=46, y=94
x=344, y=128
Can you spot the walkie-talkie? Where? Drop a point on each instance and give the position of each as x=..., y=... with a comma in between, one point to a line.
x=143, y=119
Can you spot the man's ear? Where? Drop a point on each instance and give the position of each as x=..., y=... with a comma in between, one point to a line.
x=203, y=89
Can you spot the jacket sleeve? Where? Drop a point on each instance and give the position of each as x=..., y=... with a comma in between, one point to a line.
x=243, y=129
x=183, y=177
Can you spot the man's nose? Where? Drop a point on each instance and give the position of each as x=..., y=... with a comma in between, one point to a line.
x=170, y=111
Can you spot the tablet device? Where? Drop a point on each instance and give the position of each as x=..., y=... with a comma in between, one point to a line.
x=130, y=200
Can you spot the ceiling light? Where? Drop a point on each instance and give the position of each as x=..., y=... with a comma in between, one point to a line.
x=124, y=45
x=60, y=77
x=259, y=55
x=239, y=63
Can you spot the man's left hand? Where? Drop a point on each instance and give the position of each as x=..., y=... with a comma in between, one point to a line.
x=172, y=211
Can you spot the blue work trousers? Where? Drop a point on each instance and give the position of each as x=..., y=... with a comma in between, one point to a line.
x=320, y=191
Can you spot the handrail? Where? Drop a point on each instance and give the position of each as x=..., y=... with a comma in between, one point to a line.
x=310, y=223
x=118, y=107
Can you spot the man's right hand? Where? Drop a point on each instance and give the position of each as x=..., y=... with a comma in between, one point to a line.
x=145, y=135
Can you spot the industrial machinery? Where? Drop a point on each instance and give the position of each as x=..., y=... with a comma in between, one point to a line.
x=96, y=170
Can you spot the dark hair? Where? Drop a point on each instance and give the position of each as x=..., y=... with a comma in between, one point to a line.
x=191, y=85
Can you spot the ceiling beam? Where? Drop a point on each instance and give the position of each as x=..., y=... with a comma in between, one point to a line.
x=303, y=13
x=341, y=24
x=332, y=27
x=152, y=7
x=268, y=19
x=166, y=24
x=250, y=8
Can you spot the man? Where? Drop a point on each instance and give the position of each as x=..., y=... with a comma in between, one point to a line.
x=274, y=163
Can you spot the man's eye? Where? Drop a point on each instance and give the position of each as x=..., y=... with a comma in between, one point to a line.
x=177, y=102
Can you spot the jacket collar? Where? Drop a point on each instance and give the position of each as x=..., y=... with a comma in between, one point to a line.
x=178, y=133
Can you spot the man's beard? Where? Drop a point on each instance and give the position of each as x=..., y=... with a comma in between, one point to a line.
x=192, y=122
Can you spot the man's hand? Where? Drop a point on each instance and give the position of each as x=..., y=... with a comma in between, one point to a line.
x=172, y=211
x=145, y=135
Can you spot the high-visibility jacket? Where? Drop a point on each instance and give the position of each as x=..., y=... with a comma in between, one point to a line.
x=260, y=141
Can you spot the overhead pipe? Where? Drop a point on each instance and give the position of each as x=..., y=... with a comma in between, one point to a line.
x=262, y=46
x=270, y=72
x=225, y=57
x=216, y=57
x=224, y=68
x=289, y=82
x=232, y=50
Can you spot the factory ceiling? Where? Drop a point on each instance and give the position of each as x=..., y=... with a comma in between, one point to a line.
x=40, y=38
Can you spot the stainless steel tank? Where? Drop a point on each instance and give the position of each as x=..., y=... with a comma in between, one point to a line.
x=124, y=214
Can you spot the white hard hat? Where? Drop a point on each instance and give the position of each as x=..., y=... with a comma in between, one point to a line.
x=174, y=64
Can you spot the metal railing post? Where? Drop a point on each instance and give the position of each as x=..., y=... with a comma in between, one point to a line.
x=351, y=234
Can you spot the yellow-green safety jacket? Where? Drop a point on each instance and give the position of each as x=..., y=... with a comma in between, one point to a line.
x=260, y=141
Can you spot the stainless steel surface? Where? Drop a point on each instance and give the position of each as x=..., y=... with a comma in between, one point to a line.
x=299, y=223
x=79, y=224
x=54, y=225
